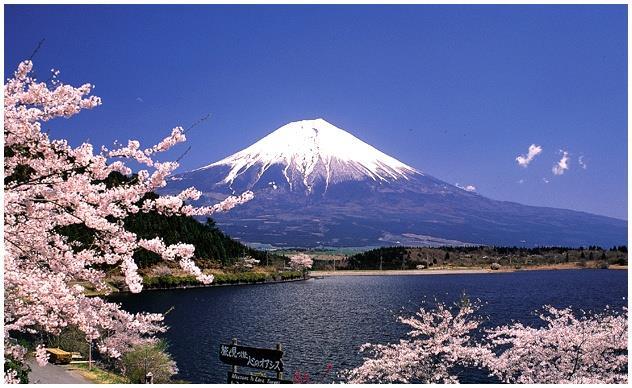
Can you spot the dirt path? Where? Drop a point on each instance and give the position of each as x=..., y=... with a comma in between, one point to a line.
x=54, y=374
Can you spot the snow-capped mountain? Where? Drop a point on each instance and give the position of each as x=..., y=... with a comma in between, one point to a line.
x=312, y=153
x=317, y=185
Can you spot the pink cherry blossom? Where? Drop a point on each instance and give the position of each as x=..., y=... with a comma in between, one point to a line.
x=11, y=377
x=569, y=348
x=439, y=340
x=50, y=185
x=41, y=355
x=301, y=261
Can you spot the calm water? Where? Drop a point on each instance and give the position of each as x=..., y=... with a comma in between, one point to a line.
x=326, y=320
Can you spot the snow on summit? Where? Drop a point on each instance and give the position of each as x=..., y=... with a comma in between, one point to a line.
x=315, y=150
x=318, y=185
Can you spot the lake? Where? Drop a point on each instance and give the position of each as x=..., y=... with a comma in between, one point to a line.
x=321, y=321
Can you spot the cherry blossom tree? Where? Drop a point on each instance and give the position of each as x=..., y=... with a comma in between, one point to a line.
x=49, y=186
x=589, y=348
x=439, y=341
x=301, y=261
x=567, y=349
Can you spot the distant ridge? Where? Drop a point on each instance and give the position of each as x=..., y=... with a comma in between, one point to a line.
x=316, y=184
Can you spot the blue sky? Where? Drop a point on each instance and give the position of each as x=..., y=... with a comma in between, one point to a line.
x=455, y=91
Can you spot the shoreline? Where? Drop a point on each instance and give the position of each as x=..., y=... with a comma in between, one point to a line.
x=446, y=271
x=374, y=272
x=185, y=287
x=222, y=285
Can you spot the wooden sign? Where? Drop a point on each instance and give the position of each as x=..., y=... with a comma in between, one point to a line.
x=266, y=359
x=240, y=378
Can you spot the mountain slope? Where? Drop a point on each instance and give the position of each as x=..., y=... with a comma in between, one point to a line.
x=311, y=153
x=316, y=184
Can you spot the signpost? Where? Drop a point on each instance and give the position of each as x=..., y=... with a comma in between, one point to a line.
x=240, y=378
x=257, y=358
x=266, y=359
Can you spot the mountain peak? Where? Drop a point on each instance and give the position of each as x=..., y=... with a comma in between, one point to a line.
x=313, y=151
x=318, y=185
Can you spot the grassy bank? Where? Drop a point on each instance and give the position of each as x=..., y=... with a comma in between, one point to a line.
x=98, y=375
x=178, y=281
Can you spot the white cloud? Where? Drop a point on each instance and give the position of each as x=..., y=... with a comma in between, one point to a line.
x=470, y=188
x=545, y=180
x=582, y=163
x=521, y=181
x=562, y=165
x=524, y=160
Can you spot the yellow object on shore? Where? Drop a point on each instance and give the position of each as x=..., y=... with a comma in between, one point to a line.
x=59, y=356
